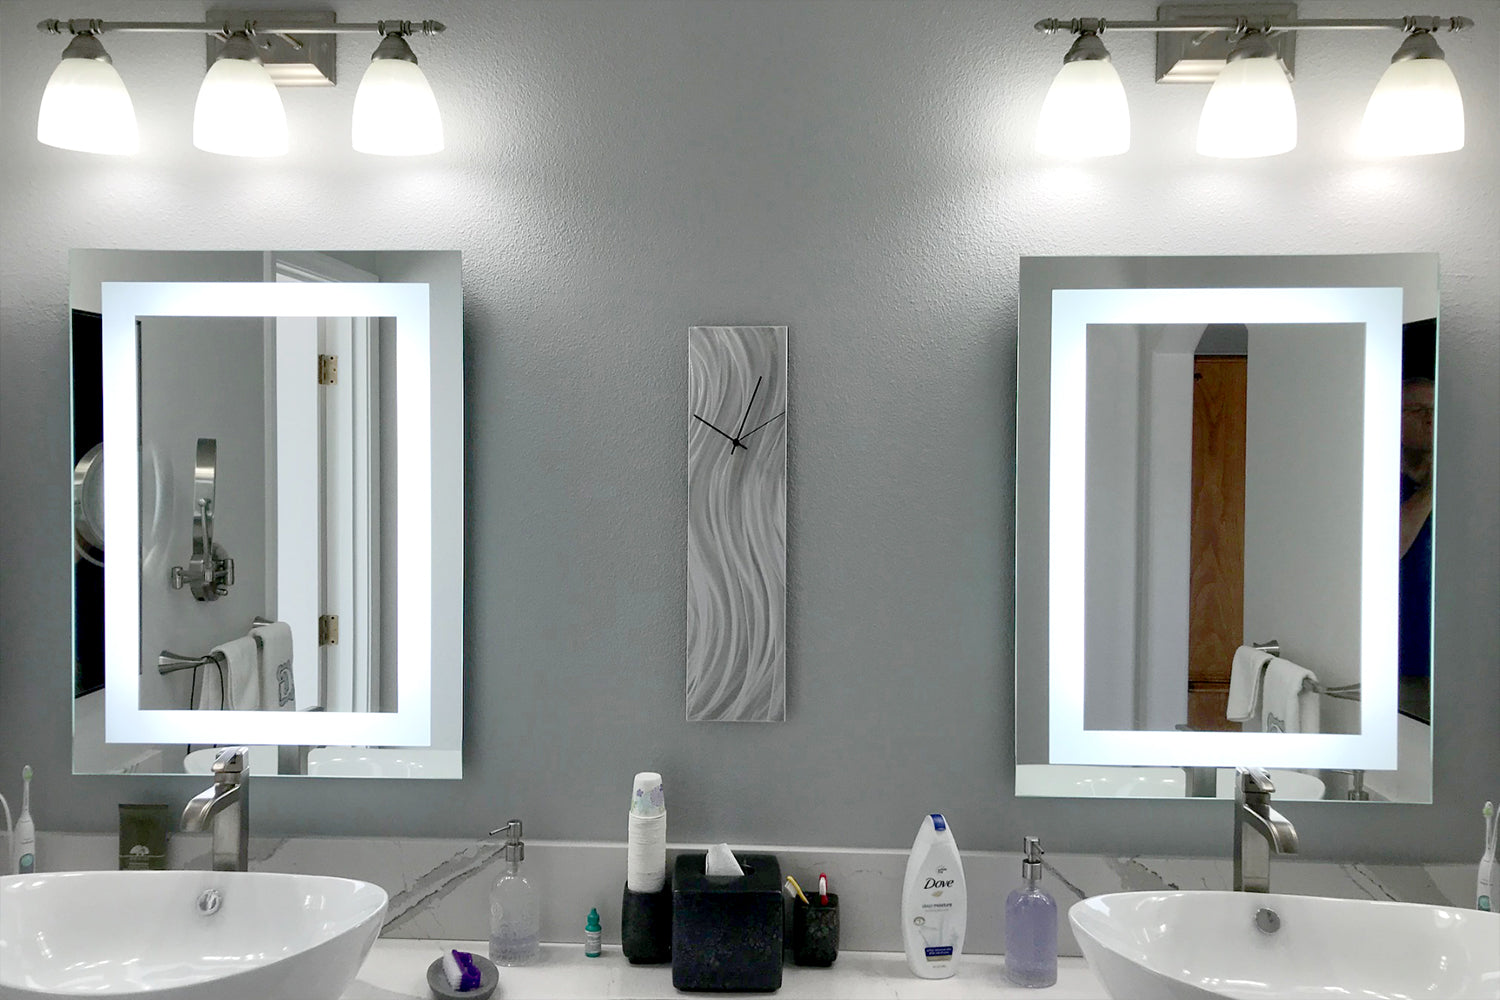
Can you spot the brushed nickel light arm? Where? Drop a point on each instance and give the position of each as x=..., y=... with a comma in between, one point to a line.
x=1240, y=24
x=252, y=26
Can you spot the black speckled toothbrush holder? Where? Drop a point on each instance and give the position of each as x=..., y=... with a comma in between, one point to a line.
x=727, y=930
x=646, y=926
x=815, y=930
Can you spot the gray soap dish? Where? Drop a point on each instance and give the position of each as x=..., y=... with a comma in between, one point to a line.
x=489, y=978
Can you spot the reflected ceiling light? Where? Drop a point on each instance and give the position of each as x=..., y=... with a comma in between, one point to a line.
x=1416, y=108
x=1085, y=113
x=1249, y=110
x=395, y=112
x=1246, y=48
x=86, y=106
x=239, y=112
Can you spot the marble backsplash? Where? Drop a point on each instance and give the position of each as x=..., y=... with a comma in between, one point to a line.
x=439, y=888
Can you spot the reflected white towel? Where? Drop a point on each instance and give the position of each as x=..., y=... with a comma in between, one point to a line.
x=275, y=642
x=1290, y=699
x=241, y=676
x=1244, y=683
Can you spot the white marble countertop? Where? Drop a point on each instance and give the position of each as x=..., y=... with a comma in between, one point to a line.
x=397, y=970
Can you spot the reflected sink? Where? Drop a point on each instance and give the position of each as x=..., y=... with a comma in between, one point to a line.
x=1088, y=780
x=343, y=762
x=1200, y=945
x=142, y=935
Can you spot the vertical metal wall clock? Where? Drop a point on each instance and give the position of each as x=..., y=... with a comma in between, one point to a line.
x=736, y=533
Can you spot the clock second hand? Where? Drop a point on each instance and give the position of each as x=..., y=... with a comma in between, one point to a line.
x=758, y=427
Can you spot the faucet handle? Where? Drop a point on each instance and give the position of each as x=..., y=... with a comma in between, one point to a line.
x=1256, y=780
x=232, y=760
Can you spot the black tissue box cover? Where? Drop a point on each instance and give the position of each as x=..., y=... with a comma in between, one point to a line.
x=727, y=931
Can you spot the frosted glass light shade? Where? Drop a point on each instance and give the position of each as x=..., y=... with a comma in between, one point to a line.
x=86, y=107
x=395, y=112
x=1249, y=111
x=239, y=112
x=1085, y=113
x=1416, y=109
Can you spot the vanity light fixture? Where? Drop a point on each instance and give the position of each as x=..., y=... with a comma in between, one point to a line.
x=1416, y=108
x=395, y=112
x=1085, y=113
x=238, y=111
x=1249, y=112
x=86, y=106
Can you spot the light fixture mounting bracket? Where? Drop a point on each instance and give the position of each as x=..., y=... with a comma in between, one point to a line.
x=1184, y=57
x=292, y=59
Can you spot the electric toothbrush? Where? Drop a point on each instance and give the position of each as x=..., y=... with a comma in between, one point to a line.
x=24, y=839
x=1484, y=893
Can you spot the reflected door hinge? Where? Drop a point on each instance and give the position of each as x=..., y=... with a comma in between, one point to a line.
x=328, y=369
x=328, y=630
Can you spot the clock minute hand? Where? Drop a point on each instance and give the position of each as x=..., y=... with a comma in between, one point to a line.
x=748, y=406
x=733, y=442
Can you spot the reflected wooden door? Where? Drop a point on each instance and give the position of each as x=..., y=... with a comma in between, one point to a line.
x=1216, y=609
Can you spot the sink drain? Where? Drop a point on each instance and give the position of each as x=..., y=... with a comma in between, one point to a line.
x=209, y=901
x=1267, y=920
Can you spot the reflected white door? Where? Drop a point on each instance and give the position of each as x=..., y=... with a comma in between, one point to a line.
x=327, y=496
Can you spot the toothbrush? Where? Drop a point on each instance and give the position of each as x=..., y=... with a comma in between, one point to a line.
x=791, y=888
x=23, y=844
x=1484, y=892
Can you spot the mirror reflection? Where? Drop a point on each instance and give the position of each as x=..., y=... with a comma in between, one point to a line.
x=1238, y=574
x=270, y=515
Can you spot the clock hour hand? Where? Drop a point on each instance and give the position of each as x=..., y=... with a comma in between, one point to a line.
x=733, y=442
x=760, y=425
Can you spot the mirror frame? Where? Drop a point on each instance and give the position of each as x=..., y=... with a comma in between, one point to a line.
x=1060, y=298
x=412, y=723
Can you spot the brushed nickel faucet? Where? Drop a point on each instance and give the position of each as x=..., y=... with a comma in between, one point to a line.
x=1269, y=830
x=226, y=805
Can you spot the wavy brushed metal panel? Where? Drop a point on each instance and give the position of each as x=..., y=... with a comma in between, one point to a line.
x=736, y=602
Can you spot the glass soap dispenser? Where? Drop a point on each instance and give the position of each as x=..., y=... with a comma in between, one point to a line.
x=515, y=909
x=1031, y=926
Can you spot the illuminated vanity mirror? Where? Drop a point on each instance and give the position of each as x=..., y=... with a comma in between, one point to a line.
x=1224, y=525
x=278, y=560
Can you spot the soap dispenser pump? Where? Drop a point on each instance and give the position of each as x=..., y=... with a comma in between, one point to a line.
x=1031, y=925
x=515, y=909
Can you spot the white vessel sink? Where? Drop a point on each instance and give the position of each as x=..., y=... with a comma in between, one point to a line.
x=1199, y=945
x=342, y=762
x=141, y=935
x=380, y=762
x=262, y=761
x=1103, y=780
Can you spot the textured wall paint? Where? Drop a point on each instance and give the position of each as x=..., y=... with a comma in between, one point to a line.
x=619, y=171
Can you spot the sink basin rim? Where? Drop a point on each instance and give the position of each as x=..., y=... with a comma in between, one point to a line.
x=336, y=923
x=1120, y=952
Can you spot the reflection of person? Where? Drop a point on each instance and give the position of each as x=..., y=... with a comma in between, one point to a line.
x=1416, y=460
x=1414, y=654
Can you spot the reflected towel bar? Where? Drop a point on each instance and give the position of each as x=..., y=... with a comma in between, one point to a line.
x=1345, y=692
x=169, y=662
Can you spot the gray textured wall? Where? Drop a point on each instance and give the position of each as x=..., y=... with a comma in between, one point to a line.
x=619, y=171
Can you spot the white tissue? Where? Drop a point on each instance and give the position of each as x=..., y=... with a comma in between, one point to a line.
x=646, y=848
x=721, y=861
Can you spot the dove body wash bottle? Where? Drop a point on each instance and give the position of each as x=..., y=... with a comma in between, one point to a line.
x=934, y=902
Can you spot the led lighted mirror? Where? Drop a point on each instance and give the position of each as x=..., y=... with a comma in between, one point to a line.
x=1216, y=454
x=290, y=515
